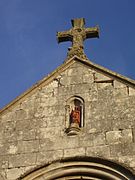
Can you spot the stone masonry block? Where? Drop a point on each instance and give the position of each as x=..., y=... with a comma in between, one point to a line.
x=14, y=173
x=55, y=121
x=48, y=156
x=22, y=160
x=104, y=85
x=100, y=77
x=26, y=134
x=120, y=93
x=127, y=160
x=47, y=144
x=47, y=111
x=88, y=78
x=98, y=151
x=115, y=150
x=75, y=71
x=9, y=148
x=127, y=136
x=74, y=152
x=128, y=149
x=52, y=101
x=121, y=136
x=99, y=139
x=113, y=137
x=74, y=79
x=8, y=135
x=78, y=88
x=10, y=116
x=21, y=114
x=48, y=132
x=86, y=140
x=4, y=162
x=3, y=175
x=25, y=124
x=57, y=143
x=118, y=84
x=122, y=149
x=131, y=92
x=28, y=146
x=12, y=149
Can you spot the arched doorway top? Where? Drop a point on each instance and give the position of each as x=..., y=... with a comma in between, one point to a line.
x=81, y=168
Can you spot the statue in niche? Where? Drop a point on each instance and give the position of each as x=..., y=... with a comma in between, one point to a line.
x=74, y=116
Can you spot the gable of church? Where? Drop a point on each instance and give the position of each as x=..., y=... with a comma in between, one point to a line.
x=41, y=127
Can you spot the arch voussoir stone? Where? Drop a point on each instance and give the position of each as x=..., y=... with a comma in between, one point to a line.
x=81, y=168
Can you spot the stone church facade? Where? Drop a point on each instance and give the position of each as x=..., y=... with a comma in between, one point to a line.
x=76, y=123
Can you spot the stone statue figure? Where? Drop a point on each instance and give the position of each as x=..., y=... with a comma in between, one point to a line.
x=75, y=116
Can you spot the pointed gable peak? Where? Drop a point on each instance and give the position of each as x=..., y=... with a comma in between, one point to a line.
x=52, y=76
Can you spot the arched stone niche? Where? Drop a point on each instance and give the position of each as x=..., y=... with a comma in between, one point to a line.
x=74, y=111
x=81, y=168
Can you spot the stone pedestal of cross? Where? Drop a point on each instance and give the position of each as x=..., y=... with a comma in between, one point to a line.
x=77, y=34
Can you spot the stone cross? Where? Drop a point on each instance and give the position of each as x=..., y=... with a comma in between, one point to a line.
x=77, y=34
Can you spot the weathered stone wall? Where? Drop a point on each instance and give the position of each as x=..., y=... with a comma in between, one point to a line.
x=33, y=132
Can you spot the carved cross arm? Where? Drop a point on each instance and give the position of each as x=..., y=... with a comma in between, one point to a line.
x=92, y=32
x=64, y=36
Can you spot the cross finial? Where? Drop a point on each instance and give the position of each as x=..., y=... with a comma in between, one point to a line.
x=77, y=34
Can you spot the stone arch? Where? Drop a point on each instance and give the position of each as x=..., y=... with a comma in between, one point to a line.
x=74, y=115
x=81, y=168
